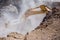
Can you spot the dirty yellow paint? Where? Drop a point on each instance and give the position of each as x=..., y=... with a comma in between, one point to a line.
x=42, y=11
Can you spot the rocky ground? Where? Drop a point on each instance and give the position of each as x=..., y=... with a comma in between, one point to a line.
x=48, y=30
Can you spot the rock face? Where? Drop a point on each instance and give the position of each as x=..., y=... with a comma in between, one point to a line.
x=48, y=30
x=14, y=21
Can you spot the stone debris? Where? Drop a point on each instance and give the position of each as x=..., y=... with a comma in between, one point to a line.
x=49, y=30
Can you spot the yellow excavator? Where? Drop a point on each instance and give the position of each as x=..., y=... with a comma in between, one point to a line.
x=33, y=11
